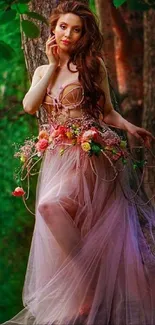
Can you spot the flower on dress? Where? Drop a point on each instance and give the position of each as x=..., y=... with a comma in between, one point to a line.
x=18, y=191
x=42, y=145
x=112, y=141
x=62, y=130
x=85, y=146
x=69, y=135
x=89, y=135
x=59, y=132
x=25, y=151
x=23, y=158
x=43, y=134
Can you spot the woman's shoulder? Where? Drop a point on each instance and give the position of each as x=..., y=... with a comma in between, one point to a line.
x=40, y=70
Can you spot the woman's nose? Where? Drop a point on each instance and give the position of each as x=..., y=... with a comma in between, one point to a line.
x=67, y=32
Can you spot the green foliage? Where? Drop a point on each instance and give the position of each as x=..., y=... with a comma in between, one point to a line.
x=139, y=5
x=118, y=3
x=24, y=1
x=16, y=223
x=30, y=29
x=7, y=16
x=92, y=5
x=21, y=8
x=9, y=13
x=7, y=51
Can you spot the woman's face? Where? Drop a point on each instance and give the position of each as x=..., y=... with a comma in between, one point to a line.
x=68, y=31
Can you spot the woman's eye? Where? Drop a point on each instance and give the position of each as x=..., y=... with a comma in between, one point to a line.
x=63, y=26
x=77, y=30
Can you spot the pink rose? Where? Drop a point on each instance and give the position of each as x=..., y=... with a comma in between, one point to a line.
x=42, y=144
x=89, y=135
x=18, y=191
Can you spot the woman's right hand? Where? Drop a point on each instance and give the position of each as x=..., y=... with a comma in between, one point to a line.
x=52, y=51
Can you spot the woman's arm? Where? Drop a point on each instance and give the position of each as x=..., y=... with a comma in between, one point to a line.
x=113, y=118
x=37, y=91
x=110, y=116
x=34, y=97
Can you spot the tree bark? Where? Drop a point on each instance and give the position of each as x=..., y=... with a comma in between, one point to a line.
x=106, y=26
x=34, y=49
x=128, y=28
x=132, y=55
x=148, y=120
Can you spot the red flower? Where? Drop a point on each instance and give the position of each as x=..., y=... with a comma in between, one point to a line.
x=18, y=191
x=59, y=132
x=62, y=129
x=42, y=144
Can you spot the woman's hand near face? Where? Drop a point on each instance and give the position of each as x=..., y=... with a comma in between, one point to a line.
x=52, y=51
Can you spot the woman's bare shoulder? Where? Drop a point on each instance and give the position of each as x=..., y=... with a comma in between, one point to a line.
x=40, y=70
x=38, y=74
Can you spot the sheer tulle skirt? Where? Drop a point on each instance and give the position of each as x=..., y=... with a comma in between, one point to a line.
x=89, y=261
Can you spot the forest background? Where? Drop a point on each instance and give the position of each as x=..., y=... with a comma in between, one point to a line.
x=129, y=51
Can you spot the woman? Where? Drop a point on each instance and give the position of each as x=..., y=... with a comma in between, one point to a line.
x=90, y=262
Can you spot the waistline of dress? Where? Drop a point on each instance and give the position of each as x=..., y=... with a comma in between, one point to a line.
x=85, y=118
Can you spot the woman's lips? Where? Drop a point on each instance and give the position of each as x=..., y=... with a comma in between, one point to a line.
x=66, y=42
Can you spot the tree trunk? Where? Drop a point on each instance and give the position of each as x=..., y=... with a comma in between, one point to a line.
x=128, y=28
x=34, y=49
x=105, y=19
x=132, y=55
x=149, y=93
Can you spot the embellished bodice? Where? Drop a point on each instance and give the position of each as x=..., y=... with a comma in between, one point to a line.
x=69, y=102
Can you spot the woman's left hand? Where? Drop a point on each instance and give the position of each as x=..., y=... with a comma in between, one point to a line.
x=140, y=133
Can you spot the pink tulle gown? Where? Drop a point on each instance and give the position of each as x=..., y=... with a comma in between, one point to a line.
x=91, y=260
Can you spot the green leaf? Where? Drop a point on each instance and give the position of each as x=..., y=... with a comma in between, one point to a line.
x=137, y=5
x=118, y=3
x=20, y=7
x=30, y=29
x=95, y=148
x=124, y=161
x=6, y=52
x=2, y=5
x=37, y=16
x=92, y=5
x=7, y=16
x=24, y=1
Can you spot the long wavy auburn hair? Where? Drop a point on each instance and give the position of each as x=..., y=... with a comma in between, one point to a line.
x=86, y=53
